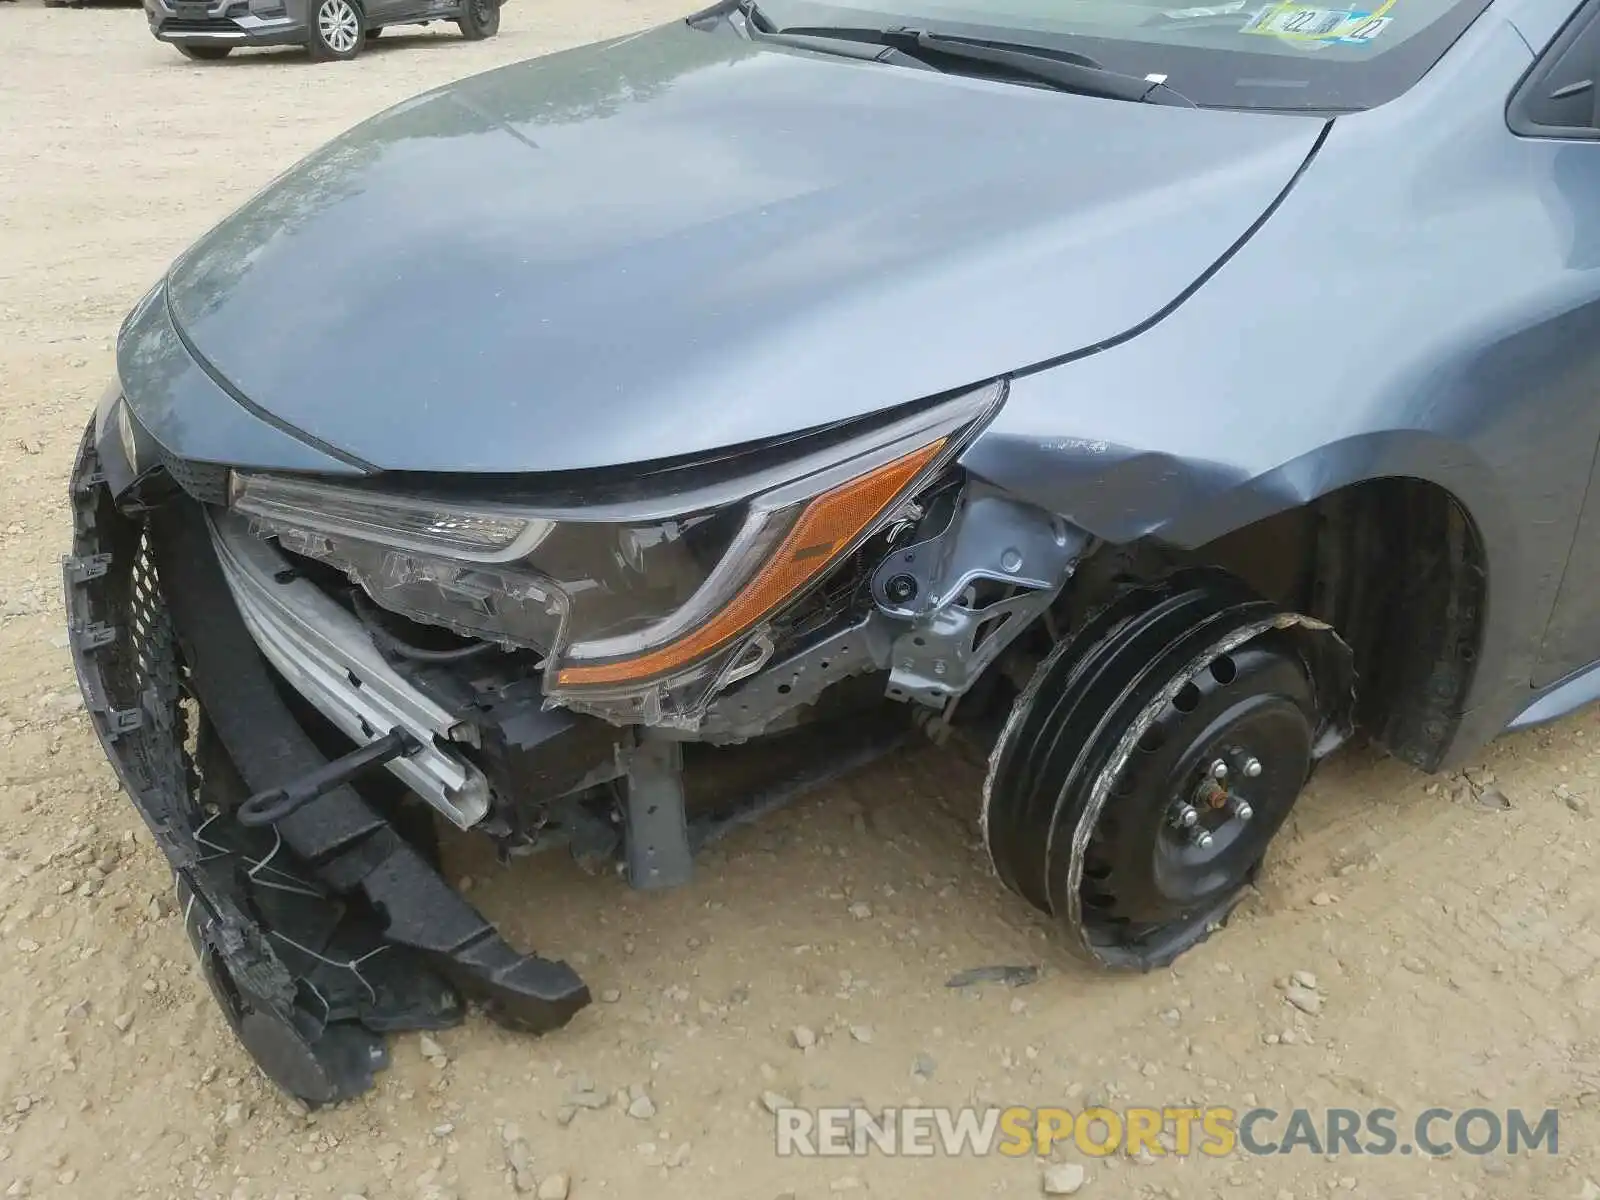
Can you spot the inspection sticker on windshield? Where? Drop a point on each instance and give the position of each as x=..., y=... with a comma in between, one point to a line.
x=1205, y=10
x=1317, y=24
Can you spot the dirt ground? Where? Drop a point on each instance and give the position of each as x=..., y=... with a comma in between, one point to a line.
x=1453, y=940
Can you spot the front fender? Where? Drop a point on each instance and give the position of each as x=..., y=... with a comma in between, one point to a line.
x=1123, y=493
x=1524, y=521
x=1424, y=303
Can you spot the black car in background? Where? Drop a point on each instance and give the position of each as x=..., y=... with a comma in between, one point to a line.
x=329, y=29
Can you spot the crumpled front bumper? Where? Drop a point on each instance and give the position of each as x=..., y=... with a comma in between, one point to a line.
x=319, y=935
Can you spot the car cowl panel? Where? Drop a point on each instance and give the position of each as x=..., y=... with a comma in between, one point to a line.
x=680, y=241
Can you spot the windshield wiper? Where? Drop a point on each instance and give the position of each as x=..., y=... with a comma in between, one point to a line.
x=1062, y=70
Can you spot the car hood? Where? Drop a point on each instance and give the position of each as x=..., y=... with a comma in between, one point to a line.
x=680, y=241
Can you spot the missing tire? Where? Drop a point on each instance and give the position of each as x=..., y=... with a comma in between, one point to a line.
x=1145, y=768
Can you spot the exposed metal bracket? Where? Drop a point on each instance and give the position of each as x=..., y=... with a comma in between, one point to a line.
x=954, y=635
x=657, y=828
x=756, y=705
x=939, y=658
x=990, y=537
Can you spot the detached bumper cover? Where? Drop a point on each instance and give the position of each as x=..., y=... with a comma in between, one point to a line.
x=316, y=936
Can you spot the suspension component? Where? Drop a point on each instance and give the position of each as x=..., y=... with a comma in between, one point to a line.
x=1211, y=794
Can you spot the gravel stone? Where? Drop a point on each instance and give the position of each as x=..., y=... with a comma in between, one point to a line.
x=1304, y=999
x=1063, y=1179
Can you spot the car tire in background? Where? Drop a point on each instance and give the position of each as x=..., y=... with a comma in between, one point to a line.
x=204, y=53
x=374, y=32
x=479, y=19
x=336, y=30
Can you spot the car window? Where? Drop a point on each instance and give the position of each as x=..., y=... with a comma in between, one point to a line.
x=1236, y=53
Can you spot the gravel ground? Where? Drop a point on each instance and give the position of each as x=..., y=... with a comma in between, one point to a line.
x=1449, y=923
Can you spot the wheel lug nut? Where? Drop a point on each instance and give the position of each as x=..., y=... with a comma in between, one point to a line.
x=1201, y=839
x=1252, y=767
x=1185, y=816
x=1219, y=769
x=1242, y=809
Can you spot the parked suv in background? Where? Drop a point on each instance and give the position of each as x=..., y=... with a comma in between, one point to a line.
x=210, y=29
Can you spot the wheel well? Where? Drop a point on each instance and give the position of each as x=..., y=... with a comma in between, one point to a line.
x=1397, y=567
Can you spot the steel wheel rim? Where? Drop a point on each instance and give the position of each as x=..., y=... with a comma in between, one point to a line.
x=1144, y=868
x=1265, y=736
x=1076, y=794
x=338, y=25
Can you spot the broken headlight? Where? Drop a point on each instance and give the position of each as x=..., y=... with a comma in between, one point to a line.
x=640, y=610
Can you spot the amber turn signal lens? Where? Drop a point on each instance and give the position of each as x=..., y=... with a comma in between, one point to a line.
x=828, y=525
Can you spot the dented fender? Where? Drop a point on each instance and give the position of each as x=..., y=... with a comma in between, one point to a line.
x=1257, y=393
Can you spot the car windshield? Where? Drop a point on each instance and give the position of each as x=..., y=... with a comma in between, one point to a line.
x=1232, y=54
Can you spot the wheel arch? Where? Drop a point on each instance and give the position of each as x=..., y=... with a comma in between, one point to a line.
x=1399, y=566
x=1401, y=540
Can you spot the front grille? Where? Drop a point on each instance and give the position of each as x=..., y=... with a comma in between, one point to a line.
x=205, y=25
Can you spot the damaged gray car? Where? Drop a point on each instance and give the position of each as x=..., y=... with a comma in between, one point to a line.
x=594, y=454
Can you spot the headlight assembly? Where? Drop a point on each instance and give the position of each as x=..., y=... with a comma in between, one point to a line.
x=480, y=533
x=639, y=610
